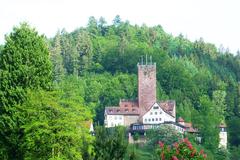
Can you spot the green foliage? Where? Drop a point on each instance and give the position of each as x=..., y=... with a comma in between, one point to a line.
x=24, y=64
x=95, y=66
x=207, y=121
x=222, y=154
x=57, y=59
x=53, y=127
x=165, y=133
x=235, y=153
x=110, y=143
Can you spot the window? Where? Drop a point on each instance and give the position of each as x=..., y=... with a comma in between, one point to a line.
x=156, y=119
x=149, y=120
x=125, y=105
x=155, y=113
x=120, y=117
x=115, y=117
x=153, y=119
x=145, y=120
x=126, y=110
x=151, y=113
x=160, y=112
x=155, y=107
x=160, y=119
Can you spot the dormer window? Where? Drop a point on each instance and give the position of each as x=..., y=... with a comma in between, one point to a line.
x=133, y=110
x=118, y=110
x=110, y=111
x=155, y=107
x=125, y=105
x=126, y=110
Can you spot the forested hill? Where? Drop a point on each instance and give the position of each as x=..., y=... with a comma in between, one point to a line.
x=48, y=102
x=203, y=79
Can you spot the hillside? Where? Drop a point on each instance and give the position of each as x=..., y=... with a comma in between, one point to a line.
x=200, y=77
x=93, y=67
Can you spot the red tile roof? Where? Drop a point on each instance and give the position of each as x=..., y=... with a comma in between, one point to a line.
x=122, y=110
x=168, y=106
x=131, y=107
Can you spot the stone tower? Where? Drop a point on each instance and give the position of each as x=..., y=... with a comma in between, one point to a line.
x=146, y=84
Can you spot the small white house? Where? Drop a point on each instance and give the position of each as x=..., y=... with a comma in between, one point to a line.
x=156, y=115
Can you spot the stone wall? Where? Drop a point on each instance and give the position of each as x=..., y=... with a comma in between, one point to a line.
x=146, y=85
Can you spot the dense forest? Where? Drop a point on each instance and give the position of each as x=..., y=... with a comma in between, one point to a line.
x=50, y=87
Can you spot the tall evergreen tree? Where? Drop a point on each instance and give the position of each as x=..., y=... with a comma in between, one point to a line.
x=24, y=63
x=84, y=49
x=56, y=58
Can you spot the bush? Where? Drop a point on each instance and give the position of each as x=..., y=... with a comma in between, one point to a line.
x=179, y=151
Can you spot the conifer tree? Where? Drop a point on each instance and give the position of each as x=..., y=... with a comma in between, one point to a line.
x=24, y=64
x=56, y=58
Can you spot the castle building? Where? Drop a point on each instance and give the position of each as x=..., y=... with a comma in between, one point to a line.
x=145, y=109
x=146, y=112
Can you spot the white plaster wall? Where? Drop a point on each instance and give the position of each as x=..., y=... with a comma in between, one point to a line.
x=156, y=116
x=223, y=139
x=114, y=120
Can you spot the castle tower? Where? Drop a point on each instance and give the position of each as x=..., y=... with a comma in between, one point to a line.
x=146, y=84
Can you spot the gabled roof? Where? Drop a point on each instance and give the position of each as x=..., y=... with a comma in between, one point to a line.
x=168, y=106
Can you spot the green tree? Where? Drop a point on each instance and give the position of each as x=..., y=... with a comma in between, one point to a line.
x=110, y=143
x=84, y=49
x=54, y=127
x=56, y=58
x=220, y=104
x=24, y=63
x=207, y=115
x=117, y=20
x=165, y=133
x=92, y=26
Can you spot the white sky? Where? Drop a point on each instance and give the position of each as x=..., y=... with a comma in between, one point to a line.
x=217, y=21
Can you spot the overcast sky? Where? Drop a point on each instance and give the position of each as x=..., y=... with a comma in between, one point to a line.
x=217, y=21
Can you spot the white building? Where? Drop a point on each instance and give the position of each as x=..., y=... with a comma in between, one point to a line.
x=222, y=136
